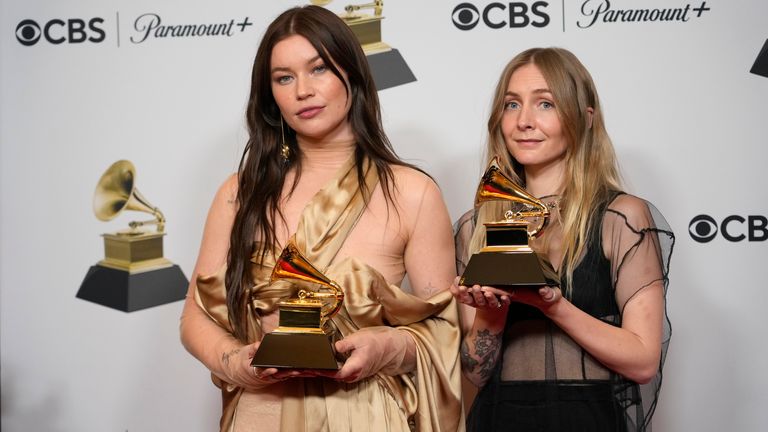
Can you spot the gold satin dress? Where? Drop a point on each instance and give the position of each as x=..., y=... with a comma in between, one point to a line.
x=427, y=399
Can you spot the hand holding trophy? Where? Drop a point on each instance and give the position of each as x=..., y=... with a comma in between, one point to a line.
x=300, y=341
x=507, y=260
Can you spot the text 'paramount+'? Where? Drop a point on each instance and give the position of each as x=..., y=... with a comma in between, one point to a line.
x=603, y=11
x=150, y=25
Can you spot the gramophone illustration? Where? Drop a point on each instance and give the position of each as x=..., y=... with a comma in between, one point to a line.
x=301, y=339
x=507, y=260
x=133, y=274
x=388, y=67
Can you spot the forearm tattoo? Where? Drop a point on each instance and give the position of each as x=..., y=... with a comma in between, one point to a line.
x=483, y=361
x=226, y=356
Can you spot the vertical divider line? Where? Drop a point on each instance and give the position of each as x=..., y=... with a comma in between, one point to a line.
x=563, y=9
x=117, y=15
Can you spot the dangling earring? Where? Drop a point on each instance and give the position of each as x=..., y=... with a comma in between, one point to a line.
x=285, y=151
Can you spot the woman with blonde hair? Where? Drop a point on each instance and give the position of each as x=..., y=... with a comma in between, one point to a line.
x=319, y=172
x=586, y=355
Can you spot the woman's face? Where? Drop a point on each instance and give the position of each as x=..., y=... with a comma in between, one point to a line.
x=312, y=100
x=530, y=124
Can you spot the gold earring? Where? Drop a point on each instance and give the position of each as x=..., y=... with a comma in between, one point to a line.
x=285, y=151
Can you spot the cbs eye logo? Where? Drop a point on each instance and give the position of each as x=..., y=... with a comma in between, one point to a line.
x=57, y=31
x=28, y=32
x=704, y=228
x=467, y=16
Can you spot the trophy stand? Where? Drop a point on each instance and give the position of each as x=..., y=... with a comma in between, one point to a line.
x=507, y=261
x=134, y=274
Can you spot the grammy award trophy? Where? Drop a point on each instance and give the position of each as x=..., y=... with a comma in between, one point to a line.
x=300, y=341
x=507, y=260
x=133, y=274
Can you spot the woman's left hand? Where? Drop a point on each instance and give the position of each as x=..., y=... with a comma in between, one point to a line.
x=372, y=350
x=543, y=298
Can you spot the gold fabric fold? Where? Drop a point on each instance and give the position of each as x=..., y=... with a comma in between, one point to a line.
x=428, y=399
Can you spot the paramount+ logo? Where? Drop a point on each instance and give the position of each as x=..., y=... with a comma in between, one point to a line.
x=734, y=228
x=497, y=15
x=59, y=31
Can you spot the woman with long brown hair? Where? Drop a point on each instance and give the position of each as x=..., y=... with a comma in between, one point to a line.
x=587, y=355
x=318, y=171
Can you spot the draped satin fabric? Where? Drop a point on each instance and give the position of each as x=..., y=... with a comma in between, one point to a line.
x=427, y=399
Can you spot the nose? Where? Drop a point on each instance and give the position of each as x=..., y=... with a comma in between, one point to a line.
x=304, y=88
x=525, y=118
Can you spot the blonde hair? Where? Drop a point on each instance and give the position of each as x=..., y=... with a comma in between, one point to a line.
x=591, y=172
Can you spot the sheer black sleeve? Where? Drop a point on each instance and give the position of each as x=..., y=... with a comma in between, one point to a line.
x=638, y=242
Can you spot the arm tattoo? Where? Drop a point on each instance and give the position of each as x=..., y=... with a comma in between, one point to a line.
x=487, y=350
x=467, y=360
x=430, y=289
x=226, y=356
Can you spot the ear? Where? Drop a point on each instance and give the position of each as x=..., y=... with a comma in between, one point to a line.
x=590, y=113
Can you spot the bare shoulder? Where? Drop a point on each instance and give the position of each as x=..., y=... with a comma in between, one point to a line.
x=412, y=185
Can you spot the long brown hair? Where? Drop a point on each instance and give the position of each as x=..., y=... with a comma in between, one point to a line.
x=262, y=169
x=592, y=173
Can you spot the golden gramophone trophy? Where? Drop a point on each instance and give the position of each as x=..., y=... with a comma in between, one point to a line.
x=301, y=340
x=388, y=67
x=133, y=274
x=507, y=260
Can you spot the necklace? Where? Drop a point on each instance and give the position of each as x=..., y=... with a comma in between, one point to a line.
x=551, y=201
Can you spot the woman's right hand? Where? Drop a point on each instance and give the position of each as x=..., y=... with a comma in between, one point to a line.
x=480, y=297
x=239, y=372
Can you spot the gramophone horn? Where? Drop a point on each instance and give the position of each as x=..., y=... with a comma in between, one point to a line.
x=116, y=191
x=496, y=186
x=293, y=265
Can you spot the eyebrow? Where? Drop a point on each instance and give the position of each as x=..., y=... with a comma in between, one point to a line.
x=287, y=69
x=536, y=91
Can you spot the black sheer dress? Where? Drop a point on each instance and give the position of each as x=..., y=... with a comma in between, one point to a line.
x=544, y=381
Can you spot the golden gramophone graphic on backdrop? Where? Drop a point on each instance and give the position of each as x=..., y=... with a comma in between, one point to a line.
x=388, y=67
x=507, y=260
x=133, y=274
x=302, y=339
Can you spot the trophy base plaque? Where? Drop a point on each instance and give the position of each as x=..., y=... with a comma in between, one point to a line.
x=389, y=69
x=128, y=292
x=507, y=261
x=761, y=62
x=509, y=270
x=295, y=350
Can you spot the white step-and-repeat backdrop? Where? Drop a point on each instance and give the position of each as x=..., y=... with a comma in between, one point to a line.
x=84, y=83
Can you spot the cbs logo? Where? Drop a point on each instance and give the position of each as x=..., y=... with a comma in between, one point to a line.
x=56, y=31
x=704, y=228
x=467, y=16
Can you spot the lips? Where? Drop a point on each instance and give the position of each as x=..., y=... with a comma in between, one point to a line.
x=309, y=112
x=528, y=142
